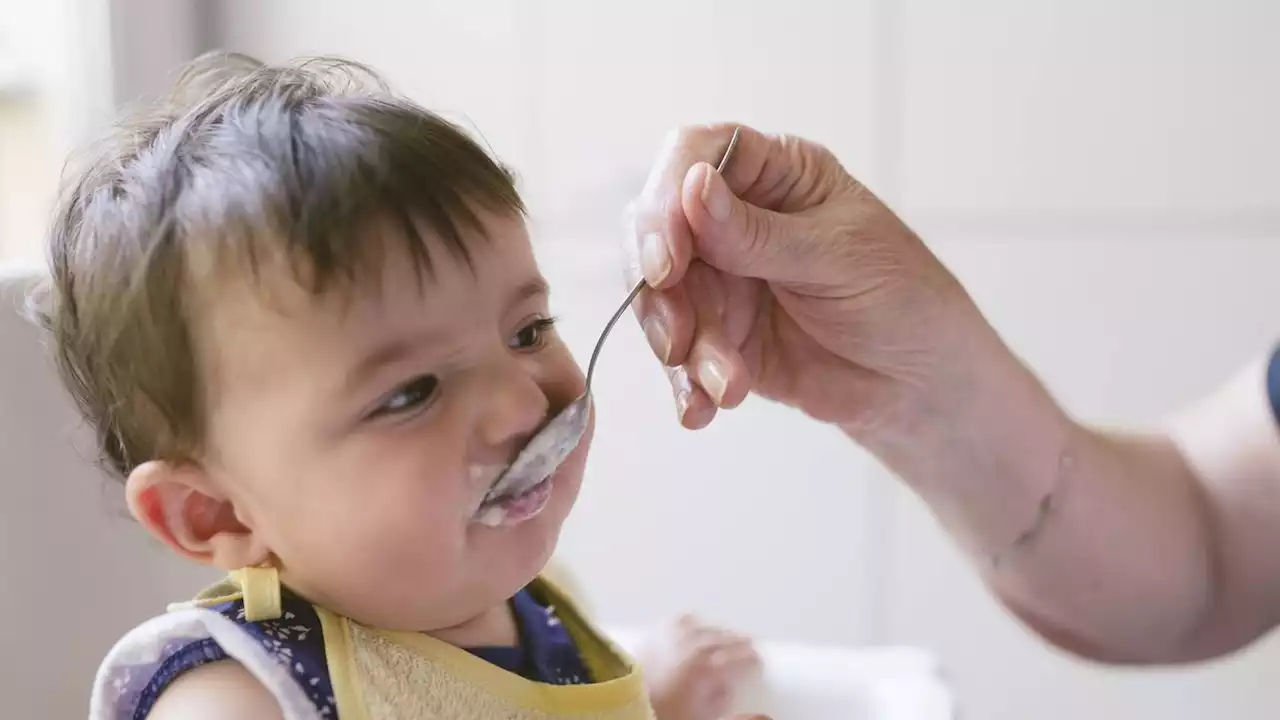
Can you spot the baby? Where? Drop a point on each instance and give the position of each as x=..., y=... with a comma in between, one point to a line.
x=304, y=317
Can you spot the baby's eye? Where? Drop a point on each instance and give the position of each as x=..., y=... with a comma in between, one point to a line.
x=533, y=335
x=408, y=397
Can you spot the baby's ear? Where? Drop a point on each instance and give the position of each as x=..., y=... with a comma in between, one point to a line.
x=181, y=507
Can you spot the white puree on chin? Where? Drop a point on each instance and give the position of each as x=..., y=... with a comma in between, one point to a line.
x=514, y=509
x=489, y=513
x=491, y=516
x=485, y=476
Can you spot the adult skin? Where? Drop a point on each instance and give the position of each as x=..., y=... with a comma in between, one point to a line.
x=788, y=278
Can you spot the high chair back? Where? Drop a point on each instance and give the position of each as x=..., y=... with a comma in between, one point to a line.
x=75, y=570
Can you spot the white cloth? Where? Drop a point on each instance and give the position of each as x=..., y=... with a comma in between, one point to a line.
x=132, y=662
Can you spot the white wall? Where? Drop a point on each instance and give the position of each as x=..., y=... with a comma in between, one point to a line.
x=53, y=89
x=65, y=65
x=77, y=573
x=1101, y=174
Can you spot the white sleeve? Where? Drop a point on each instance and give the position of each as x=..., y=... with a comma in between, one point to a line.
x=135, y=659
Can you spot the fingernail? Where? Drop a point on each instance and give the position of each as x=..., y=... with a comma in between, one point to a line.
x=658, y=338
x=714, y=380
x=682, y=405
x=655, y=260
x=683, y=389
x=716, y=197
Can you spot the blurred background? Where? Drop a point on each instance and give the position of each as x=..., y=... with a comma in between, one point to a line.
x=1101, y=174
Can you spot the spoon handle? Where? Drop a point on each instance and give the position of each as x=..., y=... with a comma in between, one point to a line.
x=591, y=366
x=631, y=296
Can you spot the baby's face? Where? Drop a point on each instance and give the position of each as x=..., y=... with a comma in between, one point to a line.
x=358, y=435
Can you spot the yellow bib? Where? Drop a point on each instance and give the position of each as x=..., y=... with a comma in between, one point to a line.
x=386, y=675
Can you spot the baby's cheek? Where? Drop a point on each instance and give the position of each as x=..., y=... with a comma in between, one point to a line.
x=373, y=520
x=399, y=547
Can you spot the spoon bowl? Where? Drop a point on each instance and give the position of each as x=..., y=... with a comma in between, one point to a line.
x=560, y=436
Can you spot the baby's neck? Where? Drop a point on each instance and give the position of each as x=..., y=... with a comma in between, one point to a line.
x=496, y=627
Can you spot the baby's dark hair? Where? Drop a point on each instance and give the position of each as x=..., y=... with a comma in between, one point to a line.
x=241, y=163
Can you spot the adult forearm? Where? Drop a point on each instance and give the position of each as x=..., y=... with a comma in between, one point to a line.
x=1099, y=541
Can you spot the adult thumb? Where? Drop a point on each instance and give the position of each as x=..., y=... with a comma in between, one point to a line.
x=735, y=236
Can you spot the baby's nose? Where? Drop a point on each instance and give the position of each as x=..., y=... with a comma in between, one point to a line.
x=515, y=409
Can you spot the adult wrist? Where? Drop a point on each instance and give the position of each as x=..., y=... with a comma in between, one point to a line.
x=985, y=445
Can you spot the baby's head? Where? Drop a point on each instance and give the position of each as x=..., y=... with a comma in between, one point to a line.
x=305, y=319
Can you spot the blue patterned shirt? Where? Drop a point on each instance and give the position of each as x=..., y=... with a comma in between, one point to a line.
x=546, y=652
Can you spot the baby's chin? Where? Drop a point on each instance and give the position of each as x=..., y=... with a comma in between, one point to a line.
x=520, y=552
x=494, y=565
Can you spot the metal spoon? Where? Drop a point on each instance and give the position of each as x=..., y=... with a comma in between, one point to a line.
x=553, y=443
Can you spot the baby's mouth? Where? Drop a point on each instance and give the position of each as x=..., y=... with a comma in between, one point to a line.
x=515, y=504
x=509, y=500
x=519, y=490
x=543, y=453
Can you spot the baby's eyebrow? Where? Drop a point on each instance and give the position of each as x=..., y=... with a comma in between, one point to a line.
x=535, y=287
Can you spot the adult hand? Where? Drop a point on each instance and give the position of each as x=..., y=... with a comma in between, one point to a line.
x=787, y=277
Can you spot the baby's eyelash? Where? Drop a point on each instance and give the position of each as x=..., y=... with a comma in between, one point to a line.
x=409, y=397
x=537, y=326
